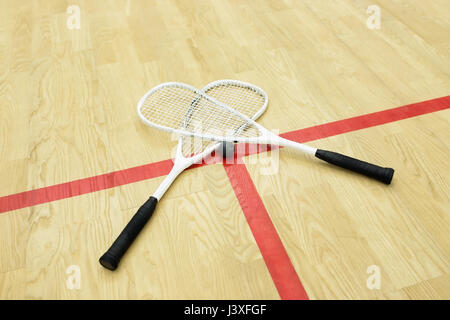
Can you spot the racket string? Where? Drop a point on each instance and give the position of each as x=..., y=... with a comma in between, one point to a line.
x=244, y=99
x=207, y=115
x=196, y=113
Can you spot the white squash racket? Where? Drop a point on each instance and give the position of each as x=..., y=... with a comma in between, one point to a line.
x=247, y=98
x=165, y=107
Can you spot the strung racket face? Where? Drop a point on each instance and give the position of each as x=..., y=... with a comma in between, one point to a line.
x=246, y=98
x=180, y=108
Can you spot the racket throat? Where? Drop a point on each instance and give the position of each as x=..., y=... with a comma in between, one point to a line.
x=177, y=168
x=292, y=144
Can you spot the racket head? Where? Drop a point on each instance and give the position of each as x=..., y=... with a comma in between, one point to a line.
x=233, y=92
x=183, y=109
x=247, y=99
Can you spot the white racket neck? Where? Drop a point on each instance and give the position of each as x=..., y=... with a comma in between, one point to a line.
x=177, y=168
x=180, y=164
x=296, y=145
x=271, y=138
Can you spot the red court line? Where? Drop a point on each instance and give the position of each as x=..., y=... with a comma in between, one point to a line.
x=83, y=186
x=274, y=254
x=272, y=250
x=368, y=120
x=152, y=170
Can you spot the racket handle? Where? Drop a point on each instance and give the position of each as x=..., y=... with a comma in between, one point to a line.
x=111, y=258
x=370, y=170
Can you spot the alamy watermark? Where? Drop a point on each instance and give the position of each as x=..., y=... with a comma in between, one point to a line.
x=374, y=280
x=268, y=162
x=374, y=20
x=73, y=281
x=74, y=18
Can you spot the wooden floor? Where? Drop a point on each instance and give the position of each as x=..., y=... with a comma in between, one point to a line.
x=67, y=112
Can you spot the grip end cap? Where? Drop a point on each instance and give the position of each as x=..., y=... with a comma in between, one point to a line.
x=108, y=261
x=389, y=175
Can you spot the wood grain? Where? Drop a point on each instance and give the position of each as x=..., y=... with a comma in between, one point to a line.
x=67, y=111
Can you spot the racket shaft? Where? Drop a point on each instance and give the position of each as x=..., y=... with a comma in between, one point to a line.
x=112, y=257
x=292, y=144
x=177, y=169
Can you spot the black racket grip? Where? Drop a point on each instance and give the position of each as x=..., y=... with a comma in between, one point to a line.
x=370, y=170
x=111, y=258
